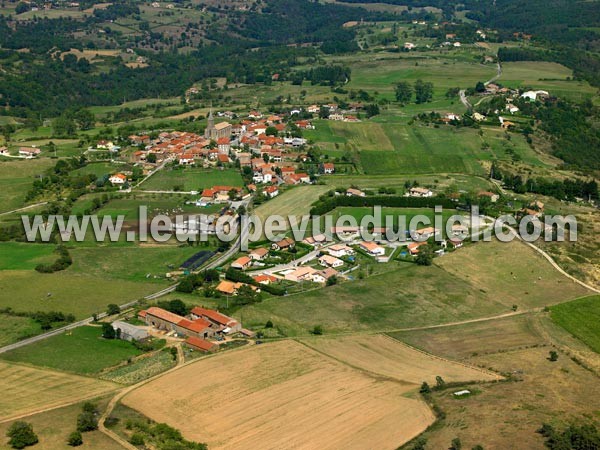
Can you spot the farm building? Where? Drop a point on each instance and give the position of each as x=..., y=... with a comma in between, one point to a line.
x=225, y=323
x=201, y=344
x=129, y=332
x=170, y=322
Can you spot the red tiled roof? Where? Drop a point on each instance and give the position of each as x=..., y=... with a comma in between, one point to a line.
x=164, y=314
x=212, y=315
x=196, y=326
x=199, y=343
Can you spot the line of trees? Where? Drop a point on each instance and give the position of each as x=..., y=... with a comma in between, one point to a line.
x=422, y=91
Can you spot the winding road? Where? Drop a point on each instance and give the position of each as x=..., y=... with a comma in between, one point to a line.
x=463, y=93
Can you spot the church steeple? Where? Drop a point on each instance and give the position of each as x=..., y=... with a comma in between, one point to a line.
x=210, y=125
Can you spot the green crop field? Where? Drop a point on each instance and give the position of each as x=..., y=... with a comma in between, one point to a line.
x=381, y=73
x=20, y=256
x=81, y=350
x=581, y=318
x=191, y=179
x=70, y=292
x=132, y=263
x=547, y=76
x=16, y=179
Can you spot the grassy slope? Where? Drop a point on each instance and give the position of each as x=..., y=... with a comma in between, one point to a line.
x=16, y=178
x=75, y=293
x=581, y=318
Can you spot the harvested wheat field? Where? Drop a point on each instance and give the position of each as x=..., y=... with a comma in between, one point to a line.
x=283, y=395
x=383, y=355
x=27, y=389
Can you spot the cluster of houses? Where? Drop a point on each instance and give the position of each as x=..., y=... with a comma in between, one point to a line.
x=197, y=328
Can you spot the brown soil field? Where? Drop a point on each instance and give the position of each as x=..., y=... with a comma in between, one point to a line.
x=27, y=389
x=287, y=395
x=383, y=355
x=503, y=414
x=522, y=276
x=463, y=341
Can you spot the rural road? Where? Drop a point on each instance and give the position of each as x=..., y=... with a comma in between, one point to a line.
x=463, y=95
x=25, y=208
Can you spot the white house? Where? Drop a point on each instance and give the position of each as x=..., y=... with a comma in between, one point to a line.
x=420, y=192
x=271, y=191
x=117, y=179
x=330, y=261
x=339, y=250
x=533, y=95
x=372, y=248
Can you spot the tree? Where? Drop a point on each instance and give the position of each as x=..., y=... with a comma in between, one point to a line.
x=425, y=256
x=404, y=92
x=84, y=119
x=439, y=382
x=331, y=281
x=271, y=131
x=137, y=439
x=269, y=324
x=419, y=444
x=21, y=435
x=323, y=112
x=75, y=439
x=64, y=126
x=372, y=109
x=480, y=87
x=477, y=447
x=425, y=389
x=21, y=8
x=112, y=309
x=455, y=444
x=87, y=421
x=317, y=330
x=151, y=158
x=7, y=131
x=553, y=356
x=108, y=332
x=423, y=91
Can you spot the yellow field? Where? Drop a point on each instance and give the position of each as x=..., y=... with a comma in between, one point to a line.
x=384, y=355
x=27, y=390
x=287, y=395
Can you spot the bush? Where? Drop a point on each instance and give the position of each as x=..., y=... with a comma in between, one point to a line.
x=113, y=309
x=136, y=439
x=21, y=435
x=75, y=439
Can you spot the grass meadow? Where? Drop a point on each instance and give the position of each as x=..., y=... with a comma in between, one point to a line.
x=192, y=179
x=581, y=318
x=16, y=178
x=82, y=351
